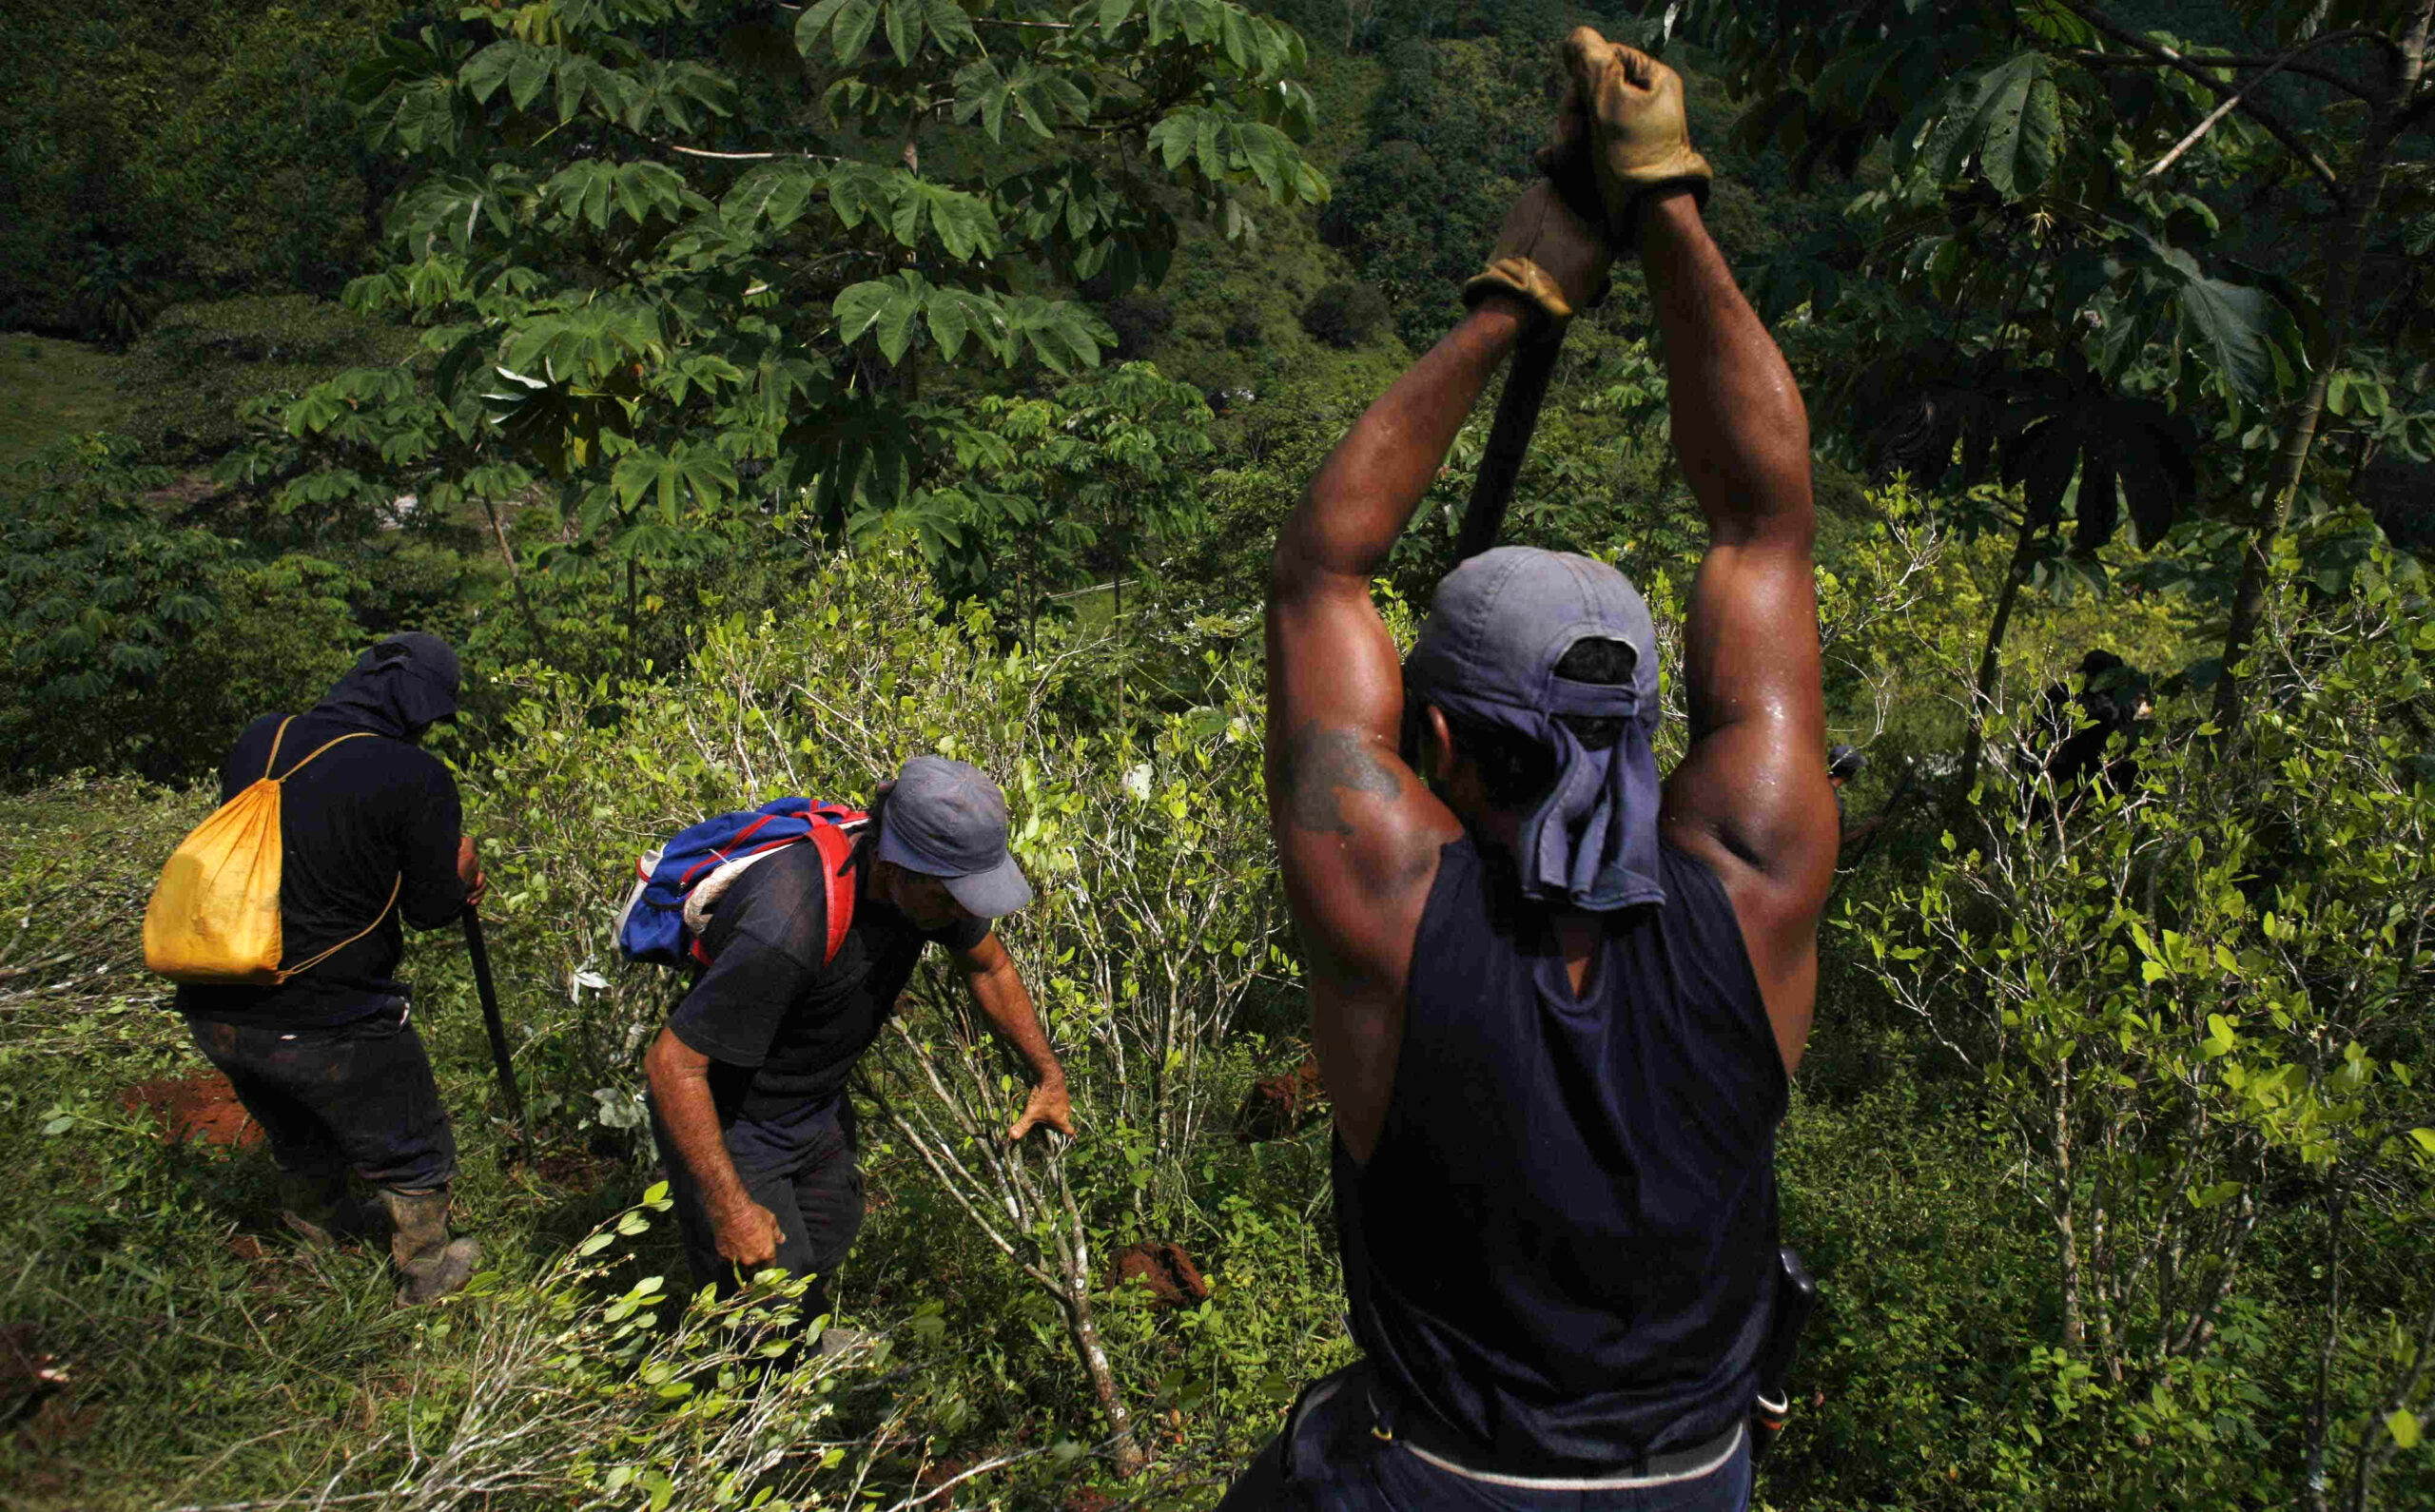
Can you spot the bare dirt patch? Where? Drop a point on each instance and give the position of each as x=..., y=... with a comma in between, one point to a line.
x=1166, y=1269
x=198, y=1107
x=1280, y=1106
x=190, y=490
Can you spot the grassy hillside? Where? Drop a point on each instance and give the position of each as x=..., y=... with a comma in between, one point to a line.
x=50, y=389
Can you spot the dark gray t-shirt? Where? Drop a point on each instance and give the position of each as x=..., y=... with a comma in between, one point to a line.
x=782, y=1030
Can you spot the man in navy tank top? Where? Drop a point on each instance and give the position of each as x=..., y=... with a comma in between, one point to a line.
x=1556, y=1002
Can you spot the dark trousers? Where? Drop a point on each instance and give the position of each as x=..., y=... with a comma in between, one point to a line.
x=358, y=1097
x=1328, y=1460
x=803, y=1168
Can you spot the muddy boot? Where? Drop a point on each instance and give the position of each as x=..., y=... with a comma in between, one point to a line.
x=319, y=1210
x=433, y=1264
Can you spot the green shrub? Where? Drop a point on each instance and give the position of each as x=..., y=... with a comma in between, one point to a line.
x=2197, y=1007
x=1345, y=315
x=190, y=371
x=137, y=645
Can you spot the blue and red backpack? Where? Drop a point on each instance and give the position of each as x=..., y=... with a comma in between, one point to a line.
x=652, y=925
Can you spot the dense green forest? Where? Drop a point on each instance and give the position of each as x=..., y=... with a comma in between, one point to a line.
x=759, y=394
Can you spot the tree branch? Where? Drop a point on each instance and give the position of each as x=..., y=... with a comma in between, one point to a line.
x=2168, y=57
x=2267, y=61
x=746, y=157
x=2220, y=111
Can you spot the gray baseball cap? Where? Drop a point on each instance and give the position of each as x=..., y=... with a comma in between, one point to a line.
x=1497, y=629
x=945, y=819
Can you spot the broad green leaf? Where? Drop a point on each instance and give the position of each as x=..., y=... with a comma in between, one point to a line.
x=949, y=322
x=1238, y=38
x=488, y=69
x=2403, y=1426
x=895, y=324
x=904, y=30
x=949, y=24
x=855, y=20
x=859, y=306
x=2018, y=119
x=815, y=23
x=2232, y=326
x=529, y=76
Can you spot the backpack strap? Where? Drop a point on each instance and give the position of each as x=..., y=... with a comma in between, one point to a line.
x=306, y=966
x=272, y=760
x=361, y=735
x=836, y=875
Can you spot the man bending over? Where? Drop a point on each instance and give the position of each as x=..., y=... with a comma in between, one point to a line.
x=1556, y=1004
x=748, y=1082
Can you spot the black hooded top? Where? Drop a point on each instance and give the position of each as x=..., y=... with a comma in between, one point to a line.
x=364, y=816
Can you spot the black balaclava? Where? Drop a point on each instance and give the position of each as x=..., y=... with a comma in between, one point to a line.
x=399, y=687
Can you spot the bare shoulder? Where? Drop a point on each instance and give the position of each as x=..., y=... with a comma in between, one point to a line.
x=1358, y=835
x=1357, y=832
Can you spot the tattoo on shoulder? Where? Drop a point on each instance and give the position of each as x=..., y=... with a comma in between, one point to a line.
x=1322, y=762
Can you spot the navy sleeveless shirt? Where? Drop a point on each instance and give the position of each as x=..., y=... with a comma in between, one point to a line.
x=1563, y=1249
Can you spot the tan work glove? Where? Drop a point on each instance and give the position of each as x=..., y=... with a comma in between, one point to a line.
x=1548, y=255
x=1623, y=111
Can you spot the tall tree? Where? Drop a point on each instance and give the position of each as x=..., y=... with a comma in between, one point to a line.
x=2115, y=207
x=675, y=259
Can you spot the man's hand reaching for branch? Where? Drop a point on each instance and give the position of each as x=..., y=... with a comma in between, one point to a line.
x=1048, y=1106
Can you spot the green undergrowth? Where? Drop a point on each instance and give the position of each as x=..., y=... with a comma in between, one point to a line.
x=51, y=389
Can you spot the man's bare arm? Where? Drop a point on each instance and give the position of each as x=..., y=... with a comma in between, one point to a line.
x=1740, y=427
x=746, y=1233
x=1357, y=832
x=999, y=992
x=1338, y=791
x=1751, y=796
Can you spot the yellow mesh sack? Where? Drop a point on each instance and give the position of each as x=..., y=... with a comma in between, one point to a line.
x=214, y=916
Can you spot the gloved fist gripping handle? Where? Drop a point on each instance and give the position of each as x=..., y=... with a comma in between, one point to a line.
x=1547, y=256
x=1623, y=113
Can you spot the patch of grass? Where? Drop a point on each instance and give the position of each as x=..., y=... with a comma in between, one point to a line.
x=50, y=389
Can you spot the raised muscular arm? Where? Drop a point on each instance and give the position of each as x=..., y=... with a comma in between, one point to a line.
x=1357, y=832
x=1751, y=797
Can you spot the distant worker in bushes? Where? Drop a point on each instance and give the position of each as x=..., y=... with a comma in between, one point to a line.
x=328, y=1061
x=1555, y=1003
x=1843, y=763
x=2086, y=738
x=748, y=1080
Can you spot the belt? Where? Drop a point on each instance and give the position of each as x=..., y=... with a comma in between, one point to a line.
x=1428, y=1443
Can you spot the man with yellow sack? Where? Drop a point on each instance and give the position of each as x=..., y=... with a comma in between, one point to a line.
x=324, y=1056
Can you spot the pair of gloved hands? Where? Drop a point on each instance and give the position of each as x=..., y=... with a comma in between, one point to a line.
x=1620, y=134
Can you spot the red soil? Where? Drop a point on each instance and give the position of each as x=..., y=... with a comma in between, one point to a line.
x=1165, y=1269
x=203, y=1107
x=1279, y=1107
